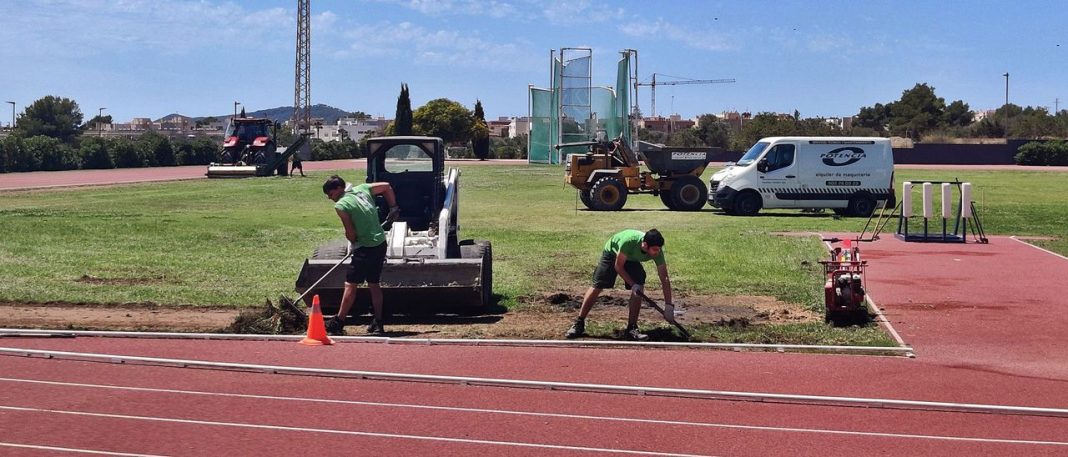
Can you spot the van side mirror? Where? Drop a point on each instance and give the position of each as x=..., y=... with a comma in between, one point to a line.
x=762, y=166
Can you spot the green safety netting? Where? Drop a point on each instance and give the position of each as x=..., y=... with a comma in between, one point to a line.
x=571, y=111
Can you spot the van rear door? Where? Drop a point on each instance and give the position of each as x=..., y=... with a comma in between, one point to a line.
x=779, y=184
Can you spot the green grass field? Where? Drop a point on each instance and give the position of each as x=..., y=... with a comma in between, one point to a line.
x=236, y=242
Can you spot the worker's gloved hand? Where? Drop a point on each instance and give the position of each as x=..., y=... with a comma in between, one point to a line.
x=638, y=289
x=394, y=214
x=669, y=312
x=352, y=247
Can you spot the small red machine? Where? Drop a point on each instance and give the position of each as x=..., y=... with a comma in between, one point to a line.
x=843, y=291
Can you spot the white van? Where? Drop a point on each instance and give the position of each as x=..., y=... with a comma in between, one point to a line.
x=849, y=175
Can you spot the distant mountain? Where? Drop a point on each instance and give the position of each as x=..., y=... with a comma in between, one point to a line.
x=328, y=113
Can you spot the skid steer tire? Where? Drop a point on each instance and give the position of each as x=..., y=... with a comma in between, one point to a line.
x=689, y=193
x=608, y=194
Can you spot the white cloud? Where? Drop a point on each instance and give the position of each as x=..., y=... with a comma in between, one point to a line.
x=491, y=8
x=662, y=30
x=441, y=47
x=576, y=12
x=71, y=28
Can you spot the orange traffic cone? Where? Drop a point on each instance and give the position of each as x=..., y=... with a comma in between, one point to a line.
x=316, y=327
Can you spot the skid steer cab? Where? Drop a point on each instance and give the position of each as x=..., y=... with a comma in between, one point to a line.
x=610, y=171
x=427, y=265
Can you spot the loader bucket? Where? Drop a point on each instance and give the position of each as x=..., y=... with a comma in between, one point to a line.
x=422, y=284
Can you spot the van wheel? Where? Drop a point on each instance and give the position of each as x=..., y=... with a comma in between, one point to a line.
x=608, y=194
x=861, y=205
x=665, y=198
x=748, y=204
x=689, y=193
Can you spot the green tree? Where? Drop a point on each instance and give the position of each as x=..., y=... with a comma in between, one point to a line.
x=404, y=120
x=958, y=114
x=10, y=152
x=480, y=142
x=918, y=111
x=510, y=148
x=875, y=117
x=94, y=154
x=445, y=119
x=51, y=116
x=712, y=131
x=362, y=116
x=157, y=149
x=125, y=154
x=51, y=154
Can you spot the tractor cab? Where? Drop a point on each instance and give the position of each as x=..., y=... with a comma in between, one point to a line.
x=248, y=141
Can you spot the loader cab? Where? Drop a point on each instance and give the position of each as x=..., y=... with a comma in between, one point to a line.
x=414, y=167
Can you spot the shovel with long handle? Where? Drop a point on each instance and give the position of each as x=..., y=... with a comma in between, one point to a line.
x=661, y=311
x=331, y=270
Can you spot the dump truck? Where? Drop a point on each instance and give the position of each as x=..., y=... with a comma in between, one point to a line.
x=427, y=265
x=249, y=149
x=611, y=170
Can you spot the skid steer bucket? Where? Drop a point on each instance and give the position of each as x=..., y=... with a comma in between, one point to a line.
x=406, y=284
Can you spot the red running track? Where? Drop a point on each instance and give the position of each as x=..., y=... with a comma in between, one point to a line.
x=74, y=178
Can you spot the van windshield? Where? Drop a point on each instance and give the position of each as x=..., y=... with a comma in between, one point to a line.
x=752, y=154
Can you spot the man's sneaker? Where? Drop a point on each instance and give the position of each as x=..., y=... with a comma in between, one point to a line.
x=576, y=330
x=335, y=326
x=375, y=327
x=632, y=333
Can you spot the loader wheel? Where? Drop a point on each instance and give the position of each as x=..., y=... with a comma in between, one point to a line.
x=689, y=193
x=608, y=194
x=584, y=195
x=748, y=204
x=665, y=198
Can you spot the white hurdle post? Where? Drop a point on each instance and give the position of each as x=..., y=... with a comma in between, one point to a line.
x=928, y=205
x=947, y=207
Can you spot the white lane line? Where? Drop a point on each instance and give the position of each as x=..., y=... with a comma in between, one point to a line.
x=1047, y=251
x=538, y=414
x=79, y=451
x=347, y=432
x=866, y=402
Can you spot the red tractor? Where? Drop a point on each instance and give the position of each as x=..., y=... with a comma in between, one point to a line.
x=843, y=292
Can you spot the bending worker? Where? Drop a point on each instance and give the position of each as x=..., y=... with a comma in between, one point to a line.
x=367, y=243
x=622, y=256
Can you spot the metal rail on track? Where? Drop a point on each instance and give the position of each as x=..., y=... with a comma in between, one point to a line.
x=550, y=385
x=31, y=333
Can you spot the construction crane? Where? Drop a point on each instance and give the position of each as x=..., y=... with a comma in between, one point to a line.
x=681, y=81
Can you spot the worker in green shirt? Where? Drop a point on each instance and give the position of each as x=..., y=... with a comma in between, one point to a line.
x=356, y=208
x=622, y=256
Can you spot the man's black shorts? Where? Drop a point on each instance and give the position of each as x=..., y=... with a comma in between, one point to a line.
x=604, y=277
x=367, y=265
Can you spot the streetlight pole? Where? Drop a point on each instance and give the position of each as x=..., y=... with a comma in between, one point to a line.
x=1006, y=75
x=12, y=126
x=99, y=120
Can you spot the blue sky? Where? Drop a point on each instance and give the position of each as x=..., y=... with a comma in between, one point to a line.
x=142, y=58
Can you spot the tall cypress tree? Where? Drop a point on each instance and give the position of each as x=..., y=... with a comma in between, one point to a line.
x=403, y=122
x=480, y=135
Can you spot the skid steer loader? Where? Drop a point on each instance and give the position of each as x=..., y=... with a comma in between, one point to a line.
x=426, y=264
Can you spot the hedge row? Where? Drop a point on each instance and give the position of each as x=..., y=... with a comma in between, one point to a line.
x=150, y=150
x=1045, y=153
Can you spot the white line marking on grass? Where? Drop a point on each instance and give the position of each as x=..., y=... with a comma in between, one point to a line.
x=1047, y=251
x=345, y=432
x=79, y=451
x=532, y=413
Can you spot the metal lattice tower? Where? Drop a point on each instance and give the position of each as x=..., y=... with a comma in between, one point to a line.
x=302, y=81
